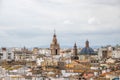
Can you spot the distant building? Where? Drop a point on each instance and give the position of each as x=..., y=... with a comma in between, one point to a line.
x=54, y=46
x=6, y=54
x=116, y=53
x=23, y=54
x=35, y=50
x=102, y=53
x=109, y=52
x=45, y=51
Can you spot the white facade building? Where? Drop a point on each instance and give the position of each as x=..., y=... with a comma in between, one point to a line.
x=116, y=54
x=109, y=51
x=105, y=52
x=44, y=51
x=6, y=54
x=100, y=52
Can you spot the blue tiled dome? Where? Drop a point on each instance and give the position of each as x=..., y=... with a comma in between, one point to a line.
x=87, y=51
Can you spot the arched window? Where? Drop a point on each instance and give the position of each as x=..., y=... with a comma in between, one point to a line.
x=56, y=51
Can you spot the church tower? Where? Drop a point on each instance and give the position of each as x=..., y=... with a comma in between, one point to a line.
x=54, y=46
x=75, y=56
x=75, y=49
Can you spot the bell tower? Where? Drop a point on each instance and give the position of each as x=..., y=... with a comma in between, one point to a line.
x=75, y=56
x=75, y=49
x=54, y=46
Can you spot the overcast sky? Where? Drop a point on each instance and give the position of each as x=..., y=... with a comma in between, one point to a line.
x=31, y=23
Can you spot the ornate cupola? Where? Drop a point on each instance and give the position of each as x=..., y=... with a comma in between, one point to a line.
x=87, y=44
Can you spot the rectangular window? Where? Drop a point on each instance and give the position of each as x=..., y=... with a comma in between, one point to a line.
x=9, y=53
x=1, y=54
x=9, y=57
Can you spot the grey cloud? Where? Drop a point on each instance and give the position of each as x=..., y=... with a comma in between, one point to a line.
x=102, y=32
x=108, y=2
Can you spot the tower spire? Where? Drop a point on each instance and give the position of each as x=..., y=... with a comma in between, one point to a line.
x=75, y=49
x=75, y=45
x=54, y=33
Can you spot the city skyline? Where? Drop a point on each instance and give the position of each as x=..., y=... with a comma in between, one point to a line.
x=31, y=23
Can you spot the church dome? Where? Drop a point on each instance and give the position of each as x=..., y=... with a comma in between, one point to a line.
x=87, y=50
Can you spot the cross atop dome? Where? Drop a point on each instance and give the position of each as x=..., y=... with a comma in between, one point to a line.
x=54, y=33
